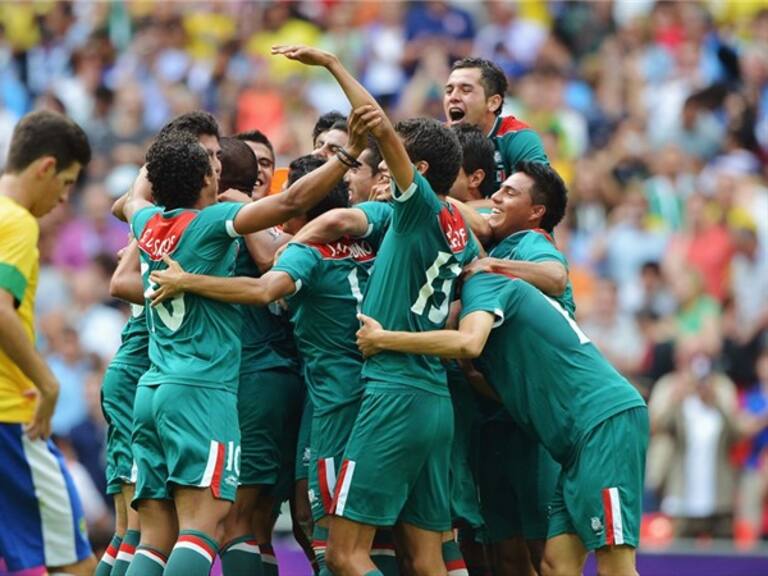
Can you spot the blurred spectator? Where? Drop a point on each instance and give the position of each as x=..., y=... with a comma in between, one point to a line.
x=698, y=314
x=70, y=365
x=437, y=25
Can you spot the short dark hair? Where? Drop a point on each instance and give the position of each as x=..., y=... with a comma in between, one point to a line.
x=428, y=140
x=176, y=167
x=46, y=133
x=548, y=189
x=258, y=137
x=492, y=77
x=197, y=123
x=340, y=125
x=338, y=197
x=239, y=166
x=325, y=122
x=477, y=154
x=373, y=158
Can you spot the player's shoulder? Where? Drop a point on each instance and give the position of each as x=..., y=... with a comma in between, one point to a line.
x=509, y=125
x=344, y=250
x=16, y=222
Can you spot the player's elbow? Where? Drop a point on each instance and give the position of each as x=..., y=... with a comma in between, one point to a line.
x=558, y=281
x=470, y=348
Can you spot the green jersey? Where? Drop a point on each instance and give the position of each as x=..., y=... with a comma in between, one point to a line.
x=535, y=246
x=266, y=338
x=134, y=341
x=413, y=282
x=192, y=340
x=330, y=281
x=514, y=141
x=550, y=377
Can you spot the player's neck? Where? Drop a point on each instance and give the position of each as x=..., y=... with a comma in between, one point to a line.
x=16, y=187
x=488, y=122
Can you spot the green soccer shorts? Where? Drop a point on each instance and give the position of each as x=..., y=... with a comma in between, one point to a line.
x=329, y=437
x=185, y=436
x=303, y=442
x=267, y=404
x=395, y=467
x=599, y=495
x=118, y=391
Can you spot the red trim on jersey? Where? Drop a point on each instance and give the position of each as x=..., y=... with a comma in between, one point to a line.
x=458, y=564
x=219, y=467
x=339, y=484
x=511, y=124
x=608, y=512
x=325, y=491
x=544, y=233
x=199, y=542
x=162, y=235
x=357, y=250
x=453, y=227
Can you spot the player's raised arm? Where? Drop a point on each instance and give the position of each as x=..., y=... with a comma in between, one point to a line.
x=391, y=147
x=126, y=281
x=310, y=188
x=137, y=197
x=551, y=277
x=333, y=225
x=466, y=342
x=241, y=290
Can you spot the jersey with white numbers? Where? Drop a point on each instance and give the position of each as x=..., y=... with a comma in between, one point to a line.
x=413, y=283
x=192, y=340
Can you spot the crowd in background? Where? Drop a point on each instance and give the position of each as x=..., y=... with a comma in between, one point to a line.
x=654, y=113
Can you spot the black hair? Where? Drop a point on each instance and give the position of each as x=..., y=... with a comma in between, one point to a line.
x=325, y=122
x=176, y=167
x=373, y=158
x=338, y=197
x=428, y=140
x=197, y=123
x=477, y=154
x=548, y=189
x=492, y=77
x=340, y=125
x=239, y=166
x=258, y=137
x=46, y=133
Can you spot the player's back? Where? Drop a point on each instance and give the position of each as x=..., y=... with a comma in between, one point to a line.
x=413, y=282
x=552, y=379
x=193, y=340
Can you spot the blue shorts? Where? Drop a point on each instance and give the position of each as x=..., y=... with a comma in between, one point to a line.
x=42, y=517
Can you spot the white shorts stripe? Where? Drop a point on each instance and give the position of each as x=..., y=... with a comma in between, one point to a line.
x=151, y=556
x=192, y=546
x=344, y=490
x=618, y=524
x=330, y=475
x=245, y=547
x=58, y=524
x=210, y=466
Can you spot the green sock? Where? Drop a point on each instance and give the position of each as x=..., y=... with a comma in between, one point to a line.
x=454, y=561
x=241, y=556
x=374, y=573
x=269, y=560
x=125, y=553
x=383, y=553
x=319, y=542
x=147, y=562
x=192, y=555
x=108, y=559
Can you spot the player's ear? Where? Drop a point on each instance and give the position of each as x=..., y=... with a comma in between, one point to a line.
x=476, y=178
x=493, y=103
x=538, y=211
x=422, y=166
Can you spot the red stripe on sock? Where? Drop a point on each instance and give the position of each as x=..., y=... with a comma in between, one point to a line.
x=456, y=564
x=199, y=541
x=153, y=552
x=127, y=548
x=608, y=512
x=111, y=551
x=216, y=481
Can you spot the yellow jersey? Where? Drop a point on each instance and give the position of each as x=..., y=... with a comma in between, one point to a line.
x=19, y=265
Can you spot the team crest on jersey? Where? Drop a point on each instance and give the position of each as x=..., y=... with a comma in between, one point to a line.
x=452, y=225
x=357, y=250
x=162, y=235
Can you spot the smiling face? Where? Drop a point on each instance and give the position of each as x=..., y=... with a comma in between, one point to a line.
x=514, y=208
x=361, y=180
x=330, y=141
x=465, y=100
x=54, y=186
x=266, y=169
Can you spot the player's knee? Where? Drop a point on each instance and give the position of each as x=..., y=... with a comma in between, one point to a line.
x=558, y=567
x=422, y=565
x=336, y=559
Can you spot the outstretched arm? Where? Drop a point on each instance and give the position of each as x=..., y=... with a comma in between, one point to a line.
x=333, y=225
x=126, y=282
x=392, y=148
x=137, y=197
x=241, y=290
x=550, y=277
x=466, y=342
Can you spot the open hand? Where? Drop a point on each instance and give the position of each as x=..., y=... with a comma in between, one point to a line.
x=170, y=281
x=304, y=54
x=362, y=120
x=40, y=427
x=367, y=334
x=479, y=265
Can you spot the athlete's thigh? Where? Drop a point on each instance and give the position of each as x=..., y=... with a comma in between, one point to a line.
x=147, y=448
x=564, y=554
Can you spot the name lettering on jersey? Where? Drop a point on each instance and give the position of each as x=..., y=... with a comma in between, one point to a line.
x=162, y=235
x=357, y=250
x=454, y=228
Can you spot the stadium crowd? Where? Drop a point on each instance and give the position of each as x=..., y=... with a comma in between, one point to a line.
x=654, y=113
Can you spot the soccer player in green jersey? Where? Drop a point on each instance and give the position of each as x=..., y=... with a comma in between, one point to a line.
x=265, y=154
x=474, y=94
x=183, y=449
x=395, y=467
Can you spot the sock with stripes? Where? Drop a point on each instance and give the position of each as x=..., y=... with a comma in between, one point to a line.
x=126, y=552
x=108, y=559
x=373, y=573
x=269, y=560
x=147, y=562
x=241, y=556
x=319, y=542
x=454, y=561
x=192, y=555
x=383, y=553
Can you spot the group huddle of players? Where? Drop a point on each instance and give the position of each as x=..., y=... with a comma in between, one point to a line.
x=388, y=344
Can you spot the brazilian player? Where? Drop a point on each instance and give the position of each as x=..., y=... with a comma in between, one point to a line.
x=43, y=524
x=395, y=466
x=561, y=390
x=193, y=455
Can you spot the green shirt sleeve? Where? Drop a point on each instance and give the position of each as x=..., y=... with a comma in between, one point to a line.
x=522, y=145
x=536, y=247
x=298, y=261
x=414, y=206
x=379, y=215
